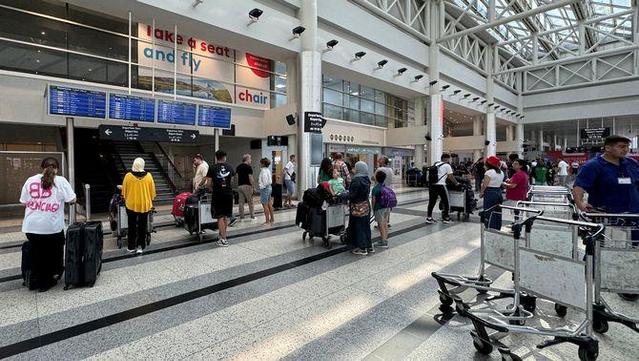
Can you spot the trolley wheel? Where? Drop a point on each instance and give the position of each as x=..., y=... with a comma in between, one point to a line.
x=326, y=242
x=561, y=310
x=66, y=287
x=629, y=296
x=599, y=324
x=588, y=353
x=445, y=300
x=517, y=322
x=482, y=292
x=529, y=303
x=342, y=238
x=482, y=347
x=466, y=217
x=304, y=235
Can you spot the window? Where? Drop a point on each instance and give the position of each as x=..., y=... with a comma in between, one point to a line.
x=353, y=102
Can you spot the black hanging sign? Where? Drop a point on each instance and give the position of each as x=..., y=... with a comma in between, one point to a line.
x=137, y=134
x=313, y=122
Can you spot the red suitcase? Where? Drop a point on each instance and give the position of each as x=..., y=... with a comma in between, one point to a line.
x=178, y=207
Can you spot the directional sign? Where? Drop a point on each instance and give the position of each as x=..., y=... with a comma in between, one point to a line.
x=76, y=102
x=128, y=107
x=313, y=122
x=136, y=134
x=217, y=117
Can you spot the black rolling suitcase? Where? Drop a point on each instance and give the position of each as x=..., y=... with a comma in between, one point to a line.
x=83, y=255
x=27, y=275
x=277, y=195
x=302, y=216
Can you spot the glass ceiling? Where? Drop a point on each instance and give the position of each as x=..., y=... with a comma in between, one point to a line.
x=562, y=37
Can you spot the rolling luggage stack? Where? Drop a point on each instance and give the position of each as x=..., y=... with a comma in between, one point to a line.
x=462, y=200
x=319, y=218
x=197, y=214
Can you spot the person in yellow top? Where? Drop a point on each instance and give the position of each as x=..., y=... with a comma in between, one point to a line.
x=138, y=190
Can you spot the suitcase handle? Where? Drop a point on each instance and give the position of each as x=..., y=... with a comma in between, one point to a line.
x=87, y=197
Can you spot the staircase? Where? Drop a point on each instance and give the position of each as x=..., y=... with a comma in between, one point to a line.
x=93, y=167
x=127, y=152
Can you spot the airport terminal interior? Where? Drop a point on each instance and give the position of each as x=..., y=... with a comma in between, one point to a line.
x=378, y=179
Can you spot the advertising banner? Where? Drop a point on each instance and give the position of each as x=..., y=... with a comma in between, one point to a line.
x=208, y=68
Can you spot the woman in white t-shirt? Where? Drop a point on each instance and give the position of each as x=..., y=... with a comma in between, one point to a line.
x=265, y=181
x=44, y=196
x=491, y=192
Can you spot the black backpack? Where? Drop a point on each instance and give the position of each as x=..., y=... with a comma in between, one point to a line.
x=433, y=173
x=312, y=198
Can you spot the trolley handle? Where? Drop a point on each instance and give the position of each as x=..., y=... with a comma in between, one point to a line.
x=631, y=218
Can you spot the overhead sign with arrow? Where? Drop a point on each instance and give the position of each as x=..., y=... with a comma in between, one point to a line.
x=133, y=134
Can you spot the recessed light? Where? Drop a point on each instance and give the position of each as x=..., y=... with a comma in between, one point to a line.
x=43, y=33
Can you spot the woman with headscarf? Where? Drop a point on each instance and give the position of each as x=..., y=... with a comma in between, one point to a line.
x=138, y=190
x=360, y=209
x=44, y=196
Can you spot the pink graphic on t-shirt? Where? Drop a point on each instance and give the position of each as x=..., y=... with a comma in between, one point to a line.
x=37, y=192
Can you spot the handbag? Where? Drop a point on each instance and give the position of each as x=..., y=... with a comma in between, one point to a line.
x=360, y=209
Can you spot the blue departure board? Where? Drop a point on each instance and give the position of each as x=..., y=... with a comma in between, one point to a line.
x=128, y=107
x=217, y=117
x=76, y=102
x=176, y=112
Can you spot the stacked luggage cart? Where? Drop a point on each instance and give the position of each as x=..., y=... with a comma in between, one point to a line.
x=546, y=238
x=120, y=220
x=322, y=217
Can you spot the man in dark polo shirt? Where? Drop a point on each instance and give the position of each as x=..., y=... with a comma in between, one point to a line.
x=611, y=180
x=221, y=174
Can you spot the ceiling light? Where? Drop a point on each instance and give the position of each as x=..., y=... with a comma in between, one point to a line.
x=297, y=31
x=457, y=92
x=418, y=77
x=359, y=55
x=381, y=63
x=475, y=99
x=445, y=87
x=433, y=82
x=401, y=71
x=280, y=86
x=466, y=95
x=331, y=44
x=483, y=102
x=197, y=2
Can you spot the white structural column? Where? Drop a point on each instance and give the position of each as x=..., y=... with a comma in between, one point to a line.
x=491, y=136
x=291, y=81
x=435, y=122
x=71, y=163
x=541, y=141
x=519, y=127
x=477, y=124
x=310, y=81
x=420, y=116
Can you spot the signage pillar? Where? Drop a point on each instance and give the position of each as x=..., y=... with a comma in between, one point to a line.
x=420, y=117
x=71, y=162
x=310, y=91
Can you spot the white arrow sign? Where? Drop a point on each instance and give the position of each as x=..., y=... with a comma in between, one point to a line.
x=108, y=132
x=193, y=136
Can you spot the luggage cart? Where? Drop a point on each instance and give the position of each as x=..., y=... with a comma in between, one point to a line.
x=324, y=223
x=535, y=274
x=498, y=249
x=460, y=202
x=122, y=225
x=550, y=194
x=557, y=239
x=204, y=218
x=616, y=267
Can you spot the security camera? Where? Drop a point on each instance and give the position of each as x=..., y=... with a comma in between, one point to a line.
x=491, y=104
x=466, y=95
x=418, y=77
x=483, y=102
x=457, y=92
x=475, y=99
x=433, y=82
x=427, y=137
x=254, y=15
x=359, y=55
x=381, y=63
x=401, y=71
x=496, y=107
x=445, y=87
x=487, y=142
x=331, y=44
x=297, y=31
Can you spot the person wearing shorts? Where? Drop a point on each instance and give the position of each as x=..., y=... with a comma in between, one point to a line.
x=221, y=174
x=265, y=182
x=381, y=214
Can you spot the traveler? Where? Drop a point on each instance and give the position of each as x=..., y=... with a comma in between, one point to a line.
x=383, y=164
x=539, y=173
x=611, y=180
x=44, y=196
x=562, y=173
x=359, y=221
x=325, y=171
x=381, y=213
x=138, y=190
x=220, y=175
x=265, y=182
x=245, y=186
x=550, y=174
x=289, y=181
x=437, y=188
x=491, y=192
x=478, y=170
x=201, y=169
x=517, y=185
x=509, y=164
x=342, y=168
x=337, y=183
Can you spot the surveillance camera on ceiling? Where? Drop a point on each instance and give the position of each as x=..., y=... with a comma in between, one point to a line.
x=298, y=30
x=401, y=71
x=254, y=15
x=331, y=44
x=359, y=55
x=445, y=87
x=418, y=77
x=381, y=63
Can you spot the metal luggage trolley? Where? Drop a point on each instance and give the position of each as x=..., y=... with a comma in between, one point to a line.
x=616, y=267
x=324, y=223
x=498, y=249
x=459, y=201
x=204, y=216
x=549, y=194
x=558, y=239
x=535, y=274
x=122, y=226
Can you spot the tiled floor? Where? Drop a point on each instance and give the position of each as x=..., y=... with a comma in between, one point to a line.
x=270, y=296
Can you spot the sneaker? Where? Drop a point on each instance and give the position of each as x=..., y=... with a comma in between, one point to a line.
x=130, y=250
x=370, y=250
x=222, y=243
x=381, y=244
x=447, y=221
x=359, y=252
x=139, y=251
x=430, y=220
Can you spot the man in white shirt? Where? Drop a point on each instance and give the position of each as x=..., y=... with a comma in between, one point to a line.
x=201, y=169
x=563, y=172
x=289, y=182
x=438, y=189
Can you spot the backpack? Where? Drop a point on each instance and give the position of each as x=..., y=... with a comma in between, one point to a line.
x=312, y=198
x=387, y=198
x=433, y=173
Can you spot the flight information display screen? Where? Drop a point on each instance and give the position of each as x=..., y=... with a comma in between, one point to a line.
x=176, y=112
x=76, y=102
x=216, y=117
x=128, y=107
